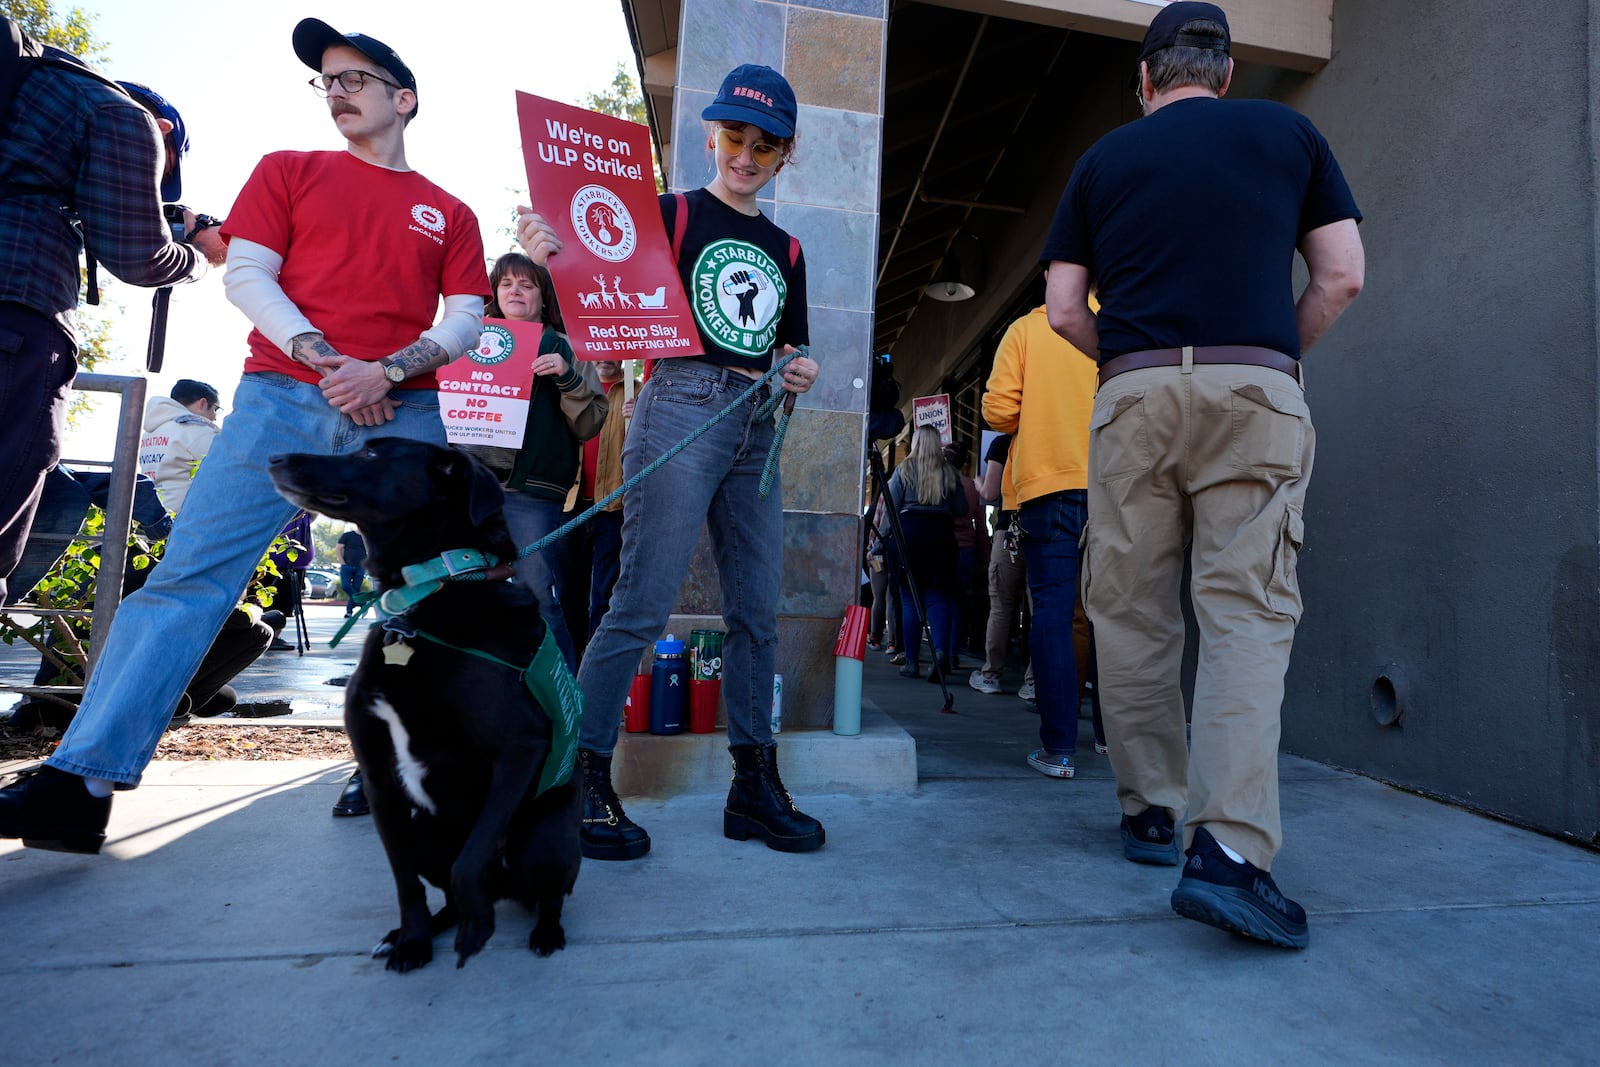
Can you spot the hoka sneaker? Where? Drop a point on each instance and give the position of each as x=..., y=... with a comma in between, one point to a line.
x=1147, y=838
x=1237, y=897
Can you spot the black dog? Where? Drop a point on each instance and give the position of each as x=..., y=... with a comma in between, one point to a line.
x=451, y=744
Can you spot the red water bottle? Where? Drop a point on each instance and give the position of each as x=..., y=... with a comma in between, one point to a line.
x=636, y=712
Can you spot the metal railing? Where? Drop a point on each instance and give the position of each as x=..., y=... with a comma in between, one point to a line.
x=124, y=465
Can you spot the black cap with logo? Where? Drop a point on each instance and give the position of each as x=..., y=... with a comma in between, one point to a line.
x=312, y=37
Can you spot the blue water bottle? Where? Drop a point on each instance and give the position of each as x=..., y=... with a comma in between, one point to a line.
x=669, y=687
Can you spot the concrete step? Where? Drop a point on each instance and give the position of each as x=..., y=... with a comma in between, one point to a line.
x=881, y=759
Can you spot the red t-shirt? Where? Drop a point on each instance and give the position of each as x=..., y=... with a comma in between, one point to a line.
x=367, y=252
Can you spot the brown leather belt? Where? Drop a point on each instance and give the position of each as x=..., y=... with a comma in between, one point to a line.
x=1245, y=355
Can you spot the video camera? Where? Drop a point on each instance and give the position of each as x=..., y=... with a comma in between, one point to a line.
x=180, y=231
x=884, y=419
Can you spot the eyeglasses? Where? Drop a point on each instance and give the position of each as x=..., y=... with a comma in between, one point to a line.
x=352, y=81
x=733, y=142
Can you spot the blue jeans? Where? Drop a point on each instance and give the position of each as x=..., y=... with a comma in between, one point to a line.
x=605, y=532
x=966, y=567
x=229, y=518
x=351, y=577
x=713, y=483
x=1051, y=527
x=530, y=518
x=940, y=604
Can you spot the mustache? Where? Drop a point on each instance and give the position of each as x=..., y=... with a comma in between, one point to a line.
x=343, y=107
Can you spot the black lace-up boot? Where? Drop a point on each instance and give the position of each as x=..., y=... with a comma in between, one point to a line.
x=759, y=806
x=608, y=833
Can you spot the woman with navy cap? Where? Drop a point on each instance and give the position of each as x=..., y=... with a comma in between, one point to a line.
x=755, y=308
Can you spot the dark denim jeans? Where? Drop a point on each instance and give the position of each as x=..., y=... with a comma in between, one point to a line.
x=37, y=362
x=713, y=485
x=605, y=531
x=1051, y=526
x=530, y=519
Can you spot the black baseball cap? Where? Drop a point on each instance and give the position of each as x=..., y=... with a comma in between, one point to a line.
x=186, y=391
x=1163, y=31
x=312, y=37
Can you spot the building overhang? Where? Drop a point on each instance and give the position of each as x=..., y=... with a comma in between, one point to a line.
x=1297, y=34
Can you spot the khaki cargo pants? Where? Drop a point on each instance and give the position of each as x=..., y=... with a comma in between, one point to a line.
x=1213, y=458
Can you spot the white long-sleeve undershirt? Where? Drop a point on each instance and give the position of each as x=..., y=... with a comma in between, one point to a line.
x=251, y=282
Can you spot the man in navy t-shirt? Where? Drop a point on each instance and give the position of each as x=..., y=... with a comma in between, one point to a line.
x=1186, y=222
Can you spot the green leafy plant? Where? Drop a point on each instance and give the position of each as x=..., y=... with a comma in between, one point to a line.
x=69, y=585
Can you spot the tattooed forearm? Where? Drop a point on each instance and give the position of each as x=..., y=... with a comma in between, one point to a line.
x=420, y=357
x=308, y=346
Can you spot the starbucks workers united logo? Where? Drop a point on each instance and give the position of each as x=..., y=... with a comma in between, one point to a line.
x=495, y=345
x=738, y=296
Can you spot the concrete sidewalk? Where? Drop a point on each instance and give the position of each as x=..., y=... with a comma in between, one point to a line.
x=986, y=917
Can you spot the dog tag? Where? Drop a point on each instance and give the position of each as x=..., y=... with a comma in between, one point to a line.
x=397, y=653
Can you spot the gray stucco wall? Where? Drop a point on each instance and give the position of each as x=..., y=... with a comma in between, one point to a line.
x=1452, y=514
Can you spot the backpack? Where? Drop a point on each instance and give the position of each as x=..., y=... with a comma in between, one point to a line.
x=20, y=57
x=680, y=226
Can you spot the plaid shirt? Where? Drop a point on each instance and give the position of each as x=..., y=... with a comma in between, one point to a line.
x=96, y=153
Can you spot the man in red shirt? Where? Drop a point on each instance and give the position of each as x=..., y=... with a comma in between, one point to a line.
x=334, y=361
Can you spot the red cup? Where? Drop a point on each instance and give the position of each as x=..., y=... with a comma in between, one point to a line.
x=853, y=633
x=636, y=712
x=703, y=696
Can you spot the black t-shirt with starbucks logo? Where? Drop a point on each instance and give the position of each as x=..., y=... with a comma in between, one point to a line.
x=745, y=294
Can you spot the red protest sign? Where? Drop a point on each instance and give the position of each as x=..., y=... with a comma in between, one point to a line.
x=483, y=396
x=589, y=175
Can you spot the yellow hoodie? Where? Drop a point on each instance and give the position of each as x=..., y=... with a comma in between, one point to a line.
x=1042, y=390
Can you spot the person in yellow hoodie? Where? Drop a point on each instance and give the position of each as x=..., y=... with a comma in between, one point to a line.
x=1042, y=390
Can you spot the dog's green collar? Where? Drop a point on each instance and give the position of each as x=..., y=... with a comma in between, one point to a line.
x=423, y=580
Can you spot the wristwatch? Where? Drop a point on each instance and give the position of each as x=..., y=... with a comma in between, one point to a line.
x=392, y=370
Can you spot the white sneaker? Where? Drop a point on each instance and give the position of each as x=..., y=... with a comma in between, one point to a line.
x=1056, y=765
x=1026, y=693
x=983, y=683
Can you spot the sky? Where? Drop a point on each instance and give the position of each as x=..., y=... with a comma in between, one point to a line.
x=230, y=71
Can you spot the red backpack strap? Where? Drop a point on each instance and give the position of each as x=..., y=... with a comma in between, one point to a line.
x=794, y=250
x=680, y=224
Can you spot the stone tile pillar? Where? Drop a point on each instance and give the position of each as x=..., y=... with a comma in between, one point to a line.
x=832, y=52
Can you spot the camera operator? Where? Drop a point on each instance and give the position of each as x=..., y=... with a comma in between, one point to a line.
x=81, y=168
x=202, y=231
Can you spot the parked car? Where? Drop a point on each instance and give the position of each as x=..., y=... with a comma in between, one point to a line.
x=321, y=585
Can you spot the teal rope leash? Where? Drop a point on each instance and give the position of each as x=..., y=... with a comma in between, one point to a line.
x=430, y=582
x=694, y=435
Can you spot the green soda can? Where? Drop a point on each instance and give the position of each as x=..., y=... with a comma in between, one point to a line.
x=705, y=656
x=705, y=679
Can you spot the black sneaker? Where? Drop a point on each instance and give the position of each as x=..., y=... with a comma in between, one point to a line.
x=1147, y=838
x=1240, y=898
x=51, y=809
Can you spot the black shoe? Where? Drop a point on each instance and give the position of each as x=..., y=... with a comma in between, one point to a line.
x=51, y=809
x=181, y=716
x=759, y=806
x=226, y=698
x=607, y=833
x=280, y=645
x=1240, y=898
x=938, y=669
x=32, y=714
x=910, y=671
x=353, y=800
x=1147, y=838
